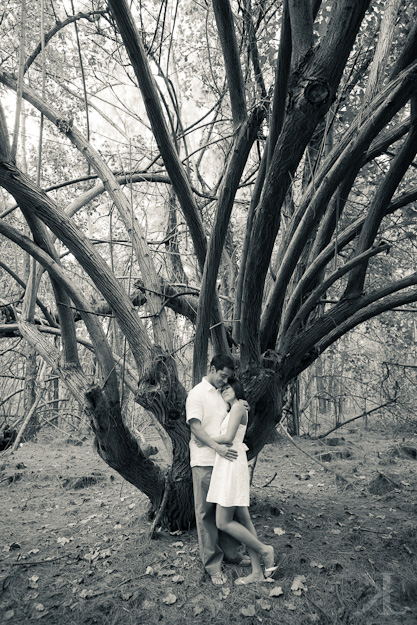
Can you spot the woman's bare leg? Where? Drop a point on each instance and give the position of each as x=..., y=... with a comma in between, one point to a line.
x=244, y=531
x=243, y=517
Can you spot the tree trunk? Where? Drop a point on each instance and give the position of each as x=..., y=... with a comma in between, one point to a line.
x=29, y=396
x=161, y=393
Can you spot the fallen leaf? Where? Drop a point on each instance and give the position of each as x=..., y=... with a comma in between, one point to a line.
x=126, y=596
x=39, y=607
x=33, y=581
x=298, y=584
x=64, y=540
x=248, y=611
x=169, y=599
x=178, y=544
x=289, y=605
x=105, y=553
x=8, y=615
x=88, y=519
x=11, y=547
x=148, y=604
x=198, y=609
x=93, y=555
x=278, y=531
x=303, y=476
x=178, y=579
x=263, y=604
x=276, y=592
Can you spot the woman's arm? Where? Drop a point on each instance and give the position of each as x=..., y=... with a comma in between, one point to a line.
x=237, y=414
x=220, y=448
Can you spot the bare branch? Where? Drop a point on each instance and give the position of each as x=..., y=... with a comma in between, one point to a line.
x=226, y=29
x=345, y=316
x=59, y=26
x=93, y=325
x=136, y=51
x=312, y=94
x=376, y=211
x=229, y=186
x=25, y=191
x=387, y=103
x=290, y=323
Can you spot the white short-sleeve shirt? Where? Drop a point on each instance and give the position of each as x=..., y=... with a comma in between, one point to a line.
x=205, y=403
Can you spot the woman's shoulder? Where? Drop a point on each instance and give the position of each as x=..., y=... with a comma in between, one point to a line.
x=239, y=410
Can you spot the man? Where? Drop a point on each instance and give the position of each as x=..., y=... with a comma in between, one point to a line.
x=205, y=411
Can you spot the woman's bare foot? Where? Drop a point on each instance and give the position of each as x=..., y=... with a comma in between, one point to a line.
x=253, y=578
x=269, y=558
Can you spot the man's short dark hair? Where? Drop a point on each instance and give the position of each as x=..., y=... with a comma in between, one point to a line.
x=220, y=361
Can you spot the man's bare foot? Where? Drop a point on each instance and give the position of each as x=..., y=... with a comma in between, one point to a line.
x=218, y=579
x=253, y=578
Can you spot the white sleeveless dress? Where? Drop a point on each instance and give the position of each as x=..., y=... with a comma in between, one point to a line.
x=229, y=484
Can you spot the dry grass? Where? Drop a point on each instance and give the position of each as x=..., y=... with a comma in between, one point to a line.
x=76, y=551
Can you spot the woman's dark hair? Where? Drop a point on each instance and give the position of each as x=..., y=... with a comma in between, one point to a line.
x=237, y=387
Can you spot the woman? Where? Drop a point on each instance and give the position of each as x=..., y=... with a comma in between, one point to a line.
x=229, y=487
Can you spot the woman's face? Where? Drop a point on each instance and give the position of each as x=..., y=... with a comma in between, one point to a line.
x=228, y=393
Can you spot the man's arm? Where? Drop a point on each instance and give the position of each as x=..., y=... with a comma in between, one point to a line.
x=200, y=433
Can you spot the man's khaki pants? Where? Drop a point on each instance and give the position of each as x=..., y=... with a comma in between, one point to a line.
x=214, y=544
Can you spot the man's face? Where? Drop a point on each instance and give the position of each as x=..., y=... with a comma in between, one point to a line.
x=220, y=377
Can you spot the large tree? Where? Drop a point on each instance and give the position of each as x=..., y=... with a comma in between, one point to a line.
x=273, y=142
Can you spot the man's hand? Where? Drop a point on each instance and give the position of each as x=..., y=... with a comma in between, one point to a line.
x=244, y=404
x=226, y=451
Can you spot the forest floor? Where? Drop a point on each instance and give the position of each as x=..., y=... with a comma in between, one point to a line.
x=76, y=547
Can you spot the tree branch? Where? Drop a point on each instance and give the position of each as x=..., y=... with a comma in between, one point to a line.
x=387, y=103
x=301, y=19
x=93, y=326
x=130, y=220
x=292, y=322
x=342, y=318
x=226, y=29
x=229, y=186
x=59, y=26
x=312, y=93
x=376, y=211
x=134, y=47
x=22, y=188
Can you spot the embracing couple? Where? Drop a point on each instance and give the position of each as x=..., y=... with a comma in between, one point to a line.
x=217, y=416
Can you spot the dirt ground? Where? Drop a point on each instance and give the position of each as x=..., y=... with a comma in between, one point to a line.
x=76, y=547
